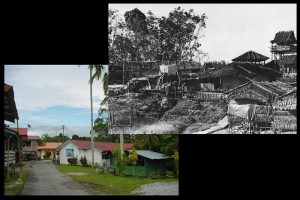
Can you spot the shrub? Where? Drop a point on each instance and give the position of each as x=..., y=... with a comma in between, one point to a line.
x=176, y=161
x=83, y=161
x=72, y=161
x=131, y=158
x=120, y=163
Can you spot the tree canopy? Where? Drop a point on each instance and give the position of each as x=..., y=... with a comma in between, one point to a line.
x=141, y=37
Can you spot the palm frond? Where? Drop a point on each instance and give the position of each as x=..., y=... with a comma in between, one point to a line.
x=98, y=72
x=105, y=83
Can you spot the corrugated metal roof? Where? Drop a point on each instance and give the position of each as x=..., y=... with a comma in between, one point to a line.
x=152, y=155
x=103, y=146
x=22, y=131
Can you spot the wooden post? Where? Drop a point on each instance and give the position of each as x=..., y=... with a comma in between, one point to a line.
x=7, y=157
x=175, y=84
x=123, y=72
x=130, y=117
x=249, y=127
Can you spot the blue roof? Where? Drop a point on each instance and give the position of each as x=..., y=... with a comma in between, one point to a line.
x=152, y=155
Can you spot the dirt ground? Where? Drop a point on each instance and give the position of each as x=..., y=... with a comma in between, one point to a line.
x=156, y=114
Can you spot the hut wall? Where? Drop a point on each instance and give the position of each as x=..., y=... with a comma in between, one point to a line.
x=135, y=171
x=155, y=167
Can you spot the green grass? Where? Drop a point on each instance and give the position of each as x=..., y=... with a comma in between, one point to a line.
x=12, y=179
x=107, y=184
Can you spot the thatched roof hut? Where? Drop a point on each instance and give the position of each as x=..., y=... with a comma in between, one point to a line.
x=284, y=38
x=250, y=56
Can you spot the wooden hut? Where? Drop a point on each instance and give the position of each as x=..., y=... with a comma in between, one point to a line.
x=284, y=43
x=149, y=164
x=12, y=145
x=264, y=95
x=236, y=74
x=251, y=56
x=258, y=92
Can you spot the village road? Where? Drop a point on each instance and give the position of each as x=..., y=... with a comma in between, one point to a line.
x=45, y=179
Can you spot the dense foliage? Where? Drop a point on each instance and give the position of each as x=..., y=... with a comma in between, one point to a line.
x=141, y=37
x=132, y=157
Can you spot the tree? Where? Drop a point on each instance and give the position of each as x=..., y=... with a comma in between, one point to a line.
x=147, y=141
x=147, y=37
x=168, y=143
x=176, y=161
x=75, y=137
x=177, y=31
x=46, y=137
x=132, y=157
x=120, y=163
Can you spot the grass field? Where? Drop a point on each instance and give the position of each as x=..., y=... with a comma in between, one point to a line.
x=15, y=189
x=107, y=184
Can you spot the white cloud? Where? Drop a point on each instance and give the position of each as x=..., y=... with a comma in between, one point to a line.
x=38, y=87
x=56, y=130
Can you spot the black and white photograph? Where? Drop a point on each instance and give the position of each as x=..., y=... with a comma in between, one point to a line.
x=202, y=69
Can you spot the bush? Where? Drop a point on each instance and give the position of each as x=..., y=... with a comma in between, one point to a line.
x=83, y=161
x=72, y=161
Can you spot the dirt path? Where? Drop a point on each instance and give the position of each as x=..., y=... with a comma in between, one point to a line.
x=45, y=179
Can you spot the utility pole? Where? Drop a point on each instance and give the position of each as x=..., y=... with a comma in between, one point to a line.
x=121, y=144
x=92, y=132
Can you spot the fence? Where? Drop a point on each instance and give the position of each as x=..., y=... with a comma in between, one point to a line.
x=208, y=96
x=9, y=158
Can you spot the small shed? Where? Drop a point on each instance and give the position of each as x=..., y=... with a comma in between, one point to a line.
x=149, y=164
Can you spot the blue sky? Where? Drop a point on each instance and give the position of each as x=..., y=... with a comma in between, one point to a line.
x=49, y=96
x=231, y=29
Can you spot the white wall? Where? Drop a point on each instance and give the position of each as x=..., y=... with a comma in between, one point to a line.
x=79, y=153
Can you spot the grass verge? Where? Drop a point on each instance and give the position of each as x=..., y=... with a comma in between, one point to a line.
x=103, y=184
x=14, y=189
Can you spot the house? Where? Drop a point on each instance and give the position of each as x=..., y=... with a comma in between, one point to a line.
x=12, y=140
x=80, y=148
x=47, y=150
x=284, y=53
x=258, y=92
x=243, y=69
x=284, y=43
x=29, y=143
x=149, y=164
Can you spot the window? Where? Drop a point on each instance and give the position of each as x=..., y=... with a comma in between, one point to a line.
x=70, y=152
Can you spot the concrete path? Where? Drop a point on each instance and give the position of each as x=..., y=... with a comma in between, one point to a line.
x=45, y=179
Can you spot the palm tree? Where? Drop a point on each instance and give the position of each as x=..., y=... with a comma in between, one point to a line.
x=97, y=74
